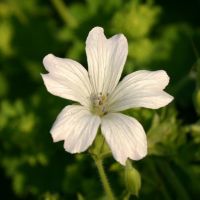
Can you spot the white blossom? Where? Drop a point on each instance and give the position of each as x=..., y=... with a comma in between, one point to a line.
x=101, y=96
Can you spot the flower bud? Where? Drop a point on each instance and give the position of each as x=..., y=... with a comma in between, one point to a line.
x=197, y=100
x=132, y=179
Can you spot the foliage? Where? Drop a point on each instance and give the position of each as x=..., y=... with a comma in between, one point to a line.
x=161, y=36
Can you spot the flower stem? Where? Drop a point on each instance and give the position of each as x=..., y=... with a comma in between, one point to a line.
x=104, y=178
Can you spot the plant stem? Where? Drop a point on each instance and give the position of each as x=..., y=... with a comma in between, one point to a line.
x=127, y=197
x=64, y=12
x=104, y=179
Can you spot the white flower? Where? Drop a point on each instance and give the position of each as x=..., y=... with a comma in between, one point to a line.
x=101, y=97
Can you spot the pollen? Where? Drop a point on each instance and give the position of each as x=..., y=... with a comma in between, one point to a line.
x=99, y=103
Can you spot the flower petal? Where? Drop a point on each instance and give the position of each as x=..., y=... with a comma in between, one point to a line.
x=141, y=89
x=77, y=126
x=106, y=58
x=67, y=78
x=125, y=136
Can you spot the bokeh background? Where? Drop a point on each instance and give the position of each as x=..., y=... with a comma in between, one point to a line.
x=161, y=35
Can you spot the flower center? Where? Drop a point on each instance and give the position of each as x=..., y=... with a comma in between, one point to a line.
x=99, y=103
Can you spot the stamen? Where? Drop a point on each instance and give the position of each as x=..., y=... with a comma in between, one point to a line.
x=99, y=103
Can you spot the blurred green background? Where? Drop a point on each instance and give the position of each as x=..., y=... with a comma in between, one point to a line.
x=161, y=35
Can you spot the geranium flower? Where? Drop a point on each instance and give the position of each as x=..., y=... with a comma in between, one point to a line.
x=101, y=96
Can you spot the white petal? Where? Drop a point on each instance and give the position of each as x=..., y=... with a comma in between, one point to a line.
x=141, y=89
x=106, y=58
x=77, y=126
x=67, y=78
x=125, y=136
